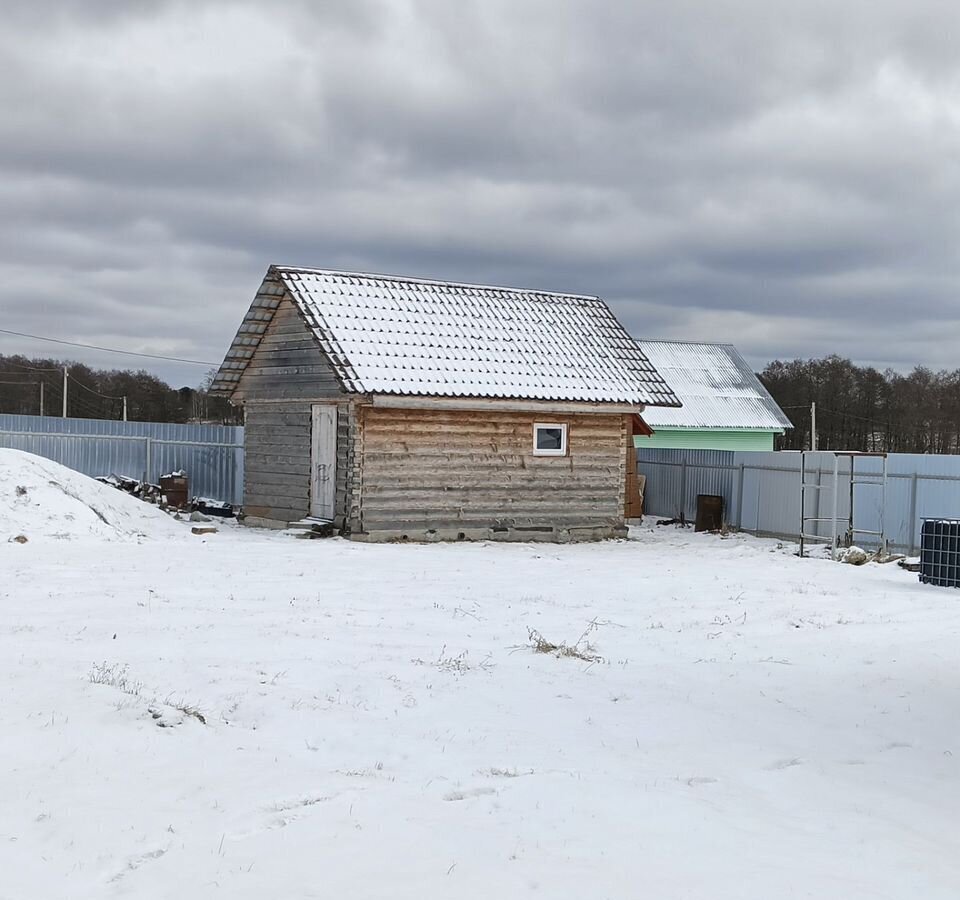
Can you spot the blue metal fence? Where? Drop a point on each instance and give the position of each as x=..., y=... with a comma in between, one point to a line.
x=211, y=455
x=761, y=490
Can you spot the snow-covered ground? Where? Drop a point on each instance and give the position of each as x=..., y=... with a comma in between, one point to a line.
x=377, y=726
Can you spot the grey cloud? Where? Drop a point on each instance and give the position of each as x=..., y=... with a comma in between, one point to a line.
x=781, y=175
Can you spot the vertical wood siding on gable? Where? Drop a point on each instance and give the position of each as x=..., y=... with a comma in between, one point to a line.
x=287, y=364
x=447, y=469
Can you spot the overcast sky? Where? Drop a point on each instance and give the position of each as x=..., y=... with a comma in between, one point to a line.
x=782, y=175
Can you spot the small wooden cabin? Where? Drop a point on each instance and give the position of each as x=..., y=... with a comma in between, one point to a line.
x=398, y=408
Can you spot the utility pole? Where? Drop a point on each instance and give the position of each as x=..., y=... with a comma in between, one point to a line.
x=64, y=392
x=813, y=426
x=41, y=396
x=124, y=409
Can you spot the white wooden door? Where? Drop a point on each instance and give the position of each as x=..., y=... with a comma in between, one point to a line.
x=323, y=462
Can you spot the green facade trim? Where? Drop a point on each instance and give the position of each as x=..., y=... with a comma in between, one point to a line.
x=708, y=439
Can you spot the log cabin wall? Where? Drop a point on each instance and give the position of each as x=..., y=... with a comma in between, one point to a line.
x=285, y=376
x=277, y=462
x=276, y=471
x=438, y=474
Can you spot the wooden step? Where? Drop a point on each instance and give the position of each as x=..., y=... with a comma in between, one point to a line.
x=310, y=528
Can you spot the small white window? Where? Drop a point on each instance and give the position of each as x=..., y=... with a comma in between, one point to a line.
x=549, y=439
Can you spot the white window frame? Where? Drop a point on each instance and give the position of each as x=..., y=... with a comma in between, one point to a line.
x=563, y=438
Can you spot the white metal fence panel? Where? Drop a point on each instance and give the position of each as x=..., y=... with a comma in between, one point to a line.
x=211, y=455
x=761, y=490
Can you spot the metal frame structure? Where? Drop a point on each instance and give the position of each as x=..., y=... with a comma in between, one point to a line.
x=872, y=479
x=762, y=498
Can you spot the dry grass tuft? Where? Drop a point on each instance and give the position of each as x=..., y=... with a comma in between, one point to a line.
x=580, y=649
x=188, y=709
x=115, y=675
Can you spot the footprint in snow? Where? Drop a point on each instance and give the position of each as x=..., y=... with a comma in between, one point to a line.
x=465, y=795
x=780, y=764
x=283, y=813
x=497, y=772
x=300, y=802
x=134, y=863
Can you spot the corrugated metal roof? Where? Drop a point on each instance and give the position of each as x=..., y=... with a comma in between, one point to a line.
x=392, y=335
x=715, y=385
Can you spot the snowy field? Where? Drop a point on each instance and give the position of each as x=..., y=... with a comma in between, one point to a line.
x=251, y=716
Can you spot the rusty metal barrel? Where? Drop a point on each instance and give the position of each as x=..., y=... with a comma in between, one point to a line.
x=709, y=512
x=176, y=489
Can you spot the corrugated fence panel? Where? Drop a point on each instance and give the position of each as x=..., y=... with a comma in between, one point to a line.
x=932, y=488
x=211, y=455
x=661, y=469
x=761, y=491
x=676, y=477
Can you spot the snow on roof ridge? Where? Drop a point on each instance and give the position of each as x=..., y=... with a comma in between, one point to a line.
x=682, y=341
x=438, y=282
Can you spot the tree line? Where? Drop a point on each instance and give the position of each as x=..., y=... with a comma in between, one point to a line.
x=862, y=408
x=98, y=393
x=858, y=407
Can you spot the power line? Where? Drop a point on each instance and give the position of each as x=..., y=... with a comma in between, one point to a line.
x=8, y=362
x=91, y=390
x=78, y=404
x=837, y=412
x=76, y=401
x=850, y=415
x=37, y=337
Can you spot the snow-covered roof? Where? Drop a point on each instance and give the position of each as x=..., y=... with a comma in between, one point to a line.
x=715, y=385
x=392, y=335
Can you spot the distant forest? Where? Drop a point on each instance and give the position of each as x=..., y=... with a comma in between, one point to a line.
x=99, y=393
x=858, y=407
x=862, y=408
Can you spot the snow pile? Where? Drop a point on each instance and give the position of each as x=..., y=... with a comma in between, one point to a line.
x=853, y=556
x=42, y=499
